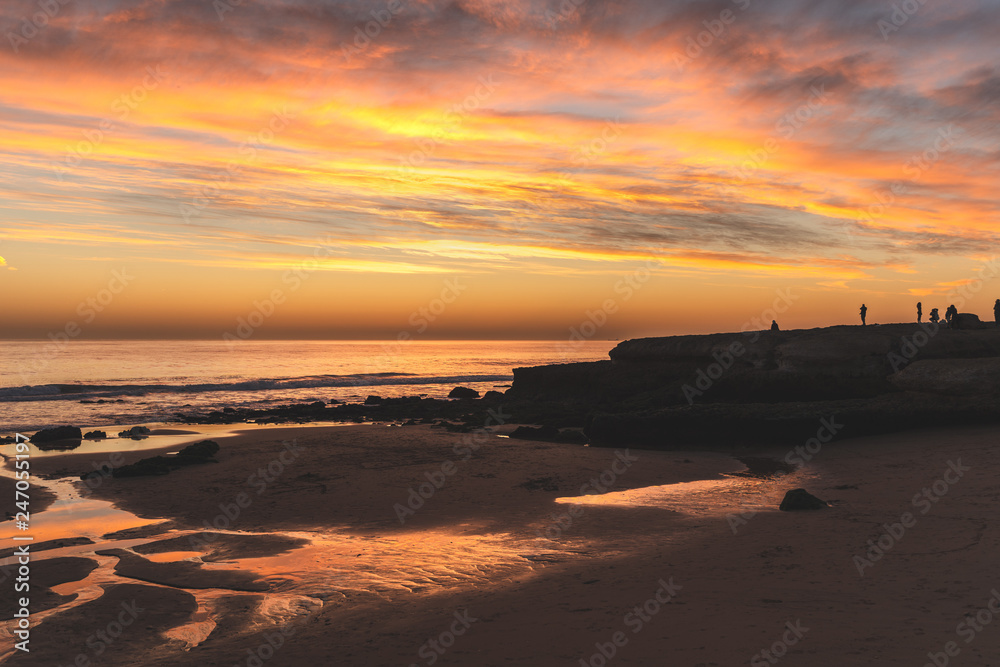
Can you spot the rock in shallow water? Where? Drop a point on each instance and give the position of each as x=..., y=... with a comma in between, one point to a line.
x=800, y=499
x=136, y=432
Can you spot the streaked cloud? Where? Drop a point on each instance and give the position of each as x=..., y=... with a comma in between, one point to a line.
x=795, y=141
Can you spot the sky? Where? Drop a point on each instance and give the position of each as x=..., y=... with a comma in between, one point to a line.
x=488, y=169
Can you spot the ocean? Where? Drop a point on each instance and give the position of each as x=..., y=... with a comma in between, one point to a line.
x=111, y=383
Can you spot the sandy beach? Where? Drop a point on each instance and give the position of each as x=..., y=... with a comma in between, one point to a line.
x=505, y=565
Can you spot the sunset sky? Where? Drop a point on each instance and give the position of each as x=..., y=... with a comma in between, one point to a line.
x=356, y=161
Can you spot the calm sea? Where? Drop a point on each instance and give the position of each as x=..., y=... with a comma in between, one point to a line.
x=105, y=383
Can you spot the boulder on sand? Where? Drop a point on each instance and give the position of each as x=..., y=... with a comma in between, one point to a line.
x=136, y=433
x=800, y=499
x=463, y=392
x=95, y=435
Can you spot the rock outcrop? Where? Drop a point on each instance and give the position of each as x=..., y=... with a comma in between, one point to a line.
x=771, y=386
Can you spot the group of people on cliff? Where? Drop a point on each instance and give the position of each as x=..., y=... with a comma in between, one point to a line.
x=950, y=315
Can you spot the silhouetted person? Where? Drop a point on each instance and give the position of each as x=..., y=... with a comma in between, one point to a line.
x=864, y=314
x=920, y=311
x=996, y=312
x=934, y=317
x=774, y=323
x=949, y=315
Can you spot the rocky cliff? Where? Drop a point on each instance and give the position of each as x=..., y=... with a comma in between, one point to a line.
x=764, y=386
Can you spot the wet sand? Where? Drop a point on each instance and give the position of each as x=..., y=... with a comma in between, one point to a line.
x=502, y=565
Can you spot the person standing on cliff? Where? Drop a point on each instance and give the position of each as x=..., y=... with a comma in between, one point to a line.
x=934, y=317
x=996, y=312
x=949, y=315
x=864, y=314
x=920, y=311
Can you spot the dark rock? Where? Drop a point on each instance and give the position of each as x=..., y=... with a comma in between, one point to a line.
x=157, y=465
x=373, y=400
x=136, y=433
x=800, y=499
x=228, y=410
x=57, y=433
x=196, y=454
x=205, y=449
x=463, y=392
x=492, y=395
x=968, y=321
x=95, y=435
